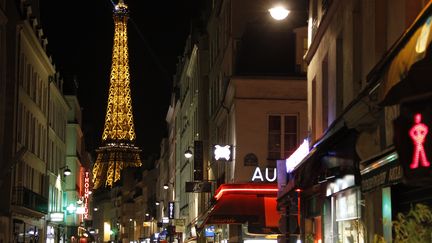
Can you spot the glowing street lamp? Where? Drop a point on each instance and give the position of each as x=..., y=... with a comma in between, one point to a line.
x=279, y=12
x=188, y=154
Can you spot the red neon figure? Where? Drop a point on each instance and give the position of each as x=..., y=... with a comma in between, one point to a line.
x=418, y=134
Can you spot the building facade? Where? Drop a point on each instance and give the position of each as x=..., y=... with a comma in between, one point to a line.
x=190, y=131
x=78, y=184
x=36, y=142
x=353, y=183
x=34, y=114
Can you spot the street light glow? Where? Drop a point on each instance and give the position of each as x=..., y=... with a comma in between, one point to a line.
x=279, y=12
x=188, y=154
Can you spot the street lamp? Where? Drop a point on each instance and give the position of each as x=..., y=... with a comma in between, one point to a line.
x=66, y=170
x=165, y=186
x=188, y=154
x=157, y=203
x=279, y=12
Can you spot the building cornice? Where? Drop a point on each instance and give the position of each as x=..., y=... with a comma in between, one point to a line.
x=34, y=42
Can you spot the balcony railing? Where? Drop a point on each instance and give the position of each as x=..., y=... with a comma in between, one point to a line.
x=27, y=198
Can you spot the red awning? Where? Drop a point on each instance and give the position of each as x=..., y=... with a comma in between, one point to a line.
x=250, y=203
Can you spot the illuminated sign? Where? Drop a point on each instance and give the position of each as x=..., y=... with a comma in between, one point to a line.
x=257, y=190
x=165, y=220
x=418, y=134
x=413, y=142
x=56, y=217
x=301, y=152
x=258, y=175
x=86, y=195
x=209, y=231
x=222, y=152
x=71, y=208
x=171, y=210
x=80, y=210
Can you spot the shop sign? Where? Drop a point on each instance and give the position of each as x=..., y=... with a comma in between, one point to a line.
x=179, y=222
x=386, y=175
x=198, y=186
x=86, y=195
x=171, y=210
x=232, y=219
x=179, y=225
x=209, y=231
x=258, y=175
x=222, y=152
x=56, y=216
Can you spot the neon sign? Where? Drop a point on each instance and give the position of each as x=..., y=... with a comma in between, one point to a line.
x=86, y=195
x=418, y=134
x=171, y=210
x=258, y=175
x=297, y=157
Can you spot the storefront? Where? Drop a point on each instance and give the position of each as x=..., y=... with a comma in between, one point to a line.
x=320, y=199
x=249, y=209
x=397, y=181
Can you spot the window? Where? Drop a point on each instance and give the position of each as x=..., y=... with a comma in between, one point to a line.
x=282, y=136
x=324, y=94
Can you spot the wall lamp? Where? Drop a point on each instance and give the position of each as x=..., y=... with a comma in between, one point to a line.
x=188, y=154
x=66, y=170
x=157, y=203
x=166, y=185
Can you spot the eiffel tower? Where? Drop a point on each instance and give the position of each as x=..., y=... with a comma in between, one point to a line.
x=117, y=150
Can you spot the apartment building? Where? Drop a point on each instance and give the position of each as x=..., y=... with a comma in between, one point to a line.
x=357, y=117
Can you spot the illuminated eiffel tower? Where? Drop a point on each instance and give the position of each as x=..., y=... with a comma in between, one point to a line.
x=117, y=150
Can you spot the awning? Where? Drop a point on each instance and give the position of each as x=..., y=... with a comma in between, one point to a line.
x=333, y=154
x=251, y=203
x=409, y=61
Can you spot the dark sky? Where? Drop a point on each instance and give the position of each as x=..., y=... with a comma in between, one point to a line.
x=80, y=39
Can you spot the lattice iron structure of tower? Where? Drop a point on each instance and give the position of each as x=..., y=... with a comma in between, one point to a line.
x=117, y=150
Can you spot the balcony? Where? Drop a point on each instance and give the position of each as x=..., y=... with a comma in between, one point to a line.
x=31, y=200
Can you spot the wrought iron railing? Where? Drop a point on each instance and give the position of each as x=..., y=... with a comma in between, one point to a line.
x=29, y=199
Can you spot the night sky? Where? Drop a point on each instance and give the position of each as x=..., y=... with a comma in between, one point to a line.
x=80, y=39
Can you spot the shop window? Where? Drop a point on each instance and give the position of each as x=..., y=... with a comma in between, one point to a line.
x=282, y=136
x=347, y=223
